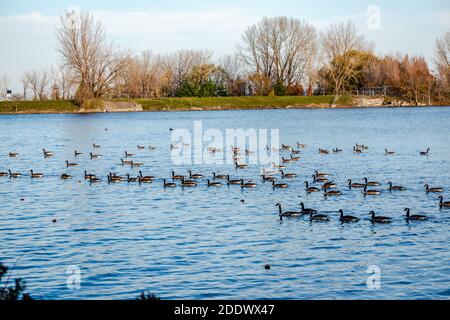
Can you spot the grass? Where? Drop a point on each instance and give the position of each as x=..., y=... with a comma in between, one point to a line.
x=174, y=104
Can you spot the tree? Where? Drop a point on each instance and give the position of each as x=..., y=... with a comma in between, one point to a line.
x=94, y=62
x=337, y=42
x=442, y=62
x=11, y=293
x=279, y=49
x=38, y=80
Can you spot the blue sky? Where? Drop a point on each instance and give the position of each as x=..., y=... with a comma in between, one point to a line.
x=162, y=26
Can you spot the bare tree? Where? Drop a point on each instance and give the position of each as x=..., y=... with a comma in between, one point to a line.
x=279, y=49
x=442, y=61
x=93, y=61
x=4, y=86
x=337, y=42
x=38, y=81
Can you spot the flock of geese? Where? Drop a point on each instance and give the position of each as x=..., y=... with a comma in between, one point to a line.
x=320, y=180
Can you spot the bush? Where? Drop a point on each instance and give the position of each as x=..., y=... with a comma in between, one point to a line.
x=11, y=293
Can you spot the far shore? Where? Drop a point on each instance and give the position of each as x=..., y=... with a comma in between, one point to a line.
x=200, y=104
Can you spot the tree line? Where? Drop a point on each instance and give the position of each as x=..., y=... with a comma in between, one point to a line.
x=277, y=56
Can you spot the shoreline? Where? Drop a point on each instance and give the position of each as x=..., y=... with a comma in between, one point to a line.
x=199, y=109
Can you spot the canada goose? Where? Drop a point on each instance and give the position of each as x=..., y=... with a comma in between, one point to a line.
x=14, y=174
x=248, y=152
x=318, y=217
x=4, y=174
x=132, y=179
x=371, y=183
x=279, y=185
x=94, y=179
x=331, y=193
x=35, y=174
x=126, y=162
x=357, y=150
x=395, y=188
x=152, y=148
x=371, y=192
x=290, y=160
x=114, y=178
x=320, y=174
x=69, y=164
x=240, y=166
x=268, y=178
x=301, y=145
x=288, y=214
x=128, y=154
x=77, y=153
x=247, y=184
x=425, y=153
x=336, y=150
x=445, y=204
x=188, y=183
x=311, y=189
x=347, y=218
x=117, y=177
x=145, y=177
x=361, y=146
x=329, y=185
x=66, y=176
x=195, y=175
x=176, y=176
x=319, y=179
x=94, y=156
x=355, y=185
x=287, y=175
x=173, y=147
x=136, y=164
x=379, y=219
x=307, y=210
x=13, y=154
x=88, y=175
x=168, y=184
x=416, y=217
x=235, y=182
x=235, y=149
x=219, y=176
x=286, y=147
x=295, y=158
x=387, y=152
x=278, y=166
x=295, y=151
x=47, y=154
x=434, y=190
x=95, y=146
x=323, y=151
x=140, y=147
x=213, y=184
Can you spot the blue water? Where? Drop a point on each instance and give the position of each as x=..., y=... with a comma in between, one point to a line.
x=203, y=243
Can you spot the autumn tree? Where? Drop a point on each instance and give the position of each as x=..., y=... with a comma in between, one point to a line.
x=38, y=81
x=442, y=62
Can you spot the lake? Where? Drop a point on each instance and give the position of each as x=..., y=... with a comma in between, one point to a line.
x=204, y=243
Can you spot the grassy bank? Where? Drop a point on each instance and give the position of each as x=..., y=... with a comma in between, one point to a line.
x=179, y=104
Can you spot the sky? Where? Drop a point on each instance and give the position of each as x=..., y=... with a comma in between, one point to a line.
x=28, y=36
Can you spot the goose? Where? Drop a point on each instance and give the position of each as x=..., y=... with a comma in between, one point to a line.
x=94, y=156
x=295, y=152
x=240, y=166
x=151, y=148
x=387, y=152
x=188, y=183
x=66, y=176
x=331, y=193
x=395, y=188
x=235, y=182
x=279, y=185
x=425, y=153
x=355, y=185
x=145, y=177
x=278, y=166
x=132, y=179
x=248, y=152
x=320, y=174
x=323, y=151
x=140, y=147
x=318, y=217
x=415, y=217
x=295, y=158
x=195, y=175
x=268, y=178
x=35, y=174
x=356, y=150
x=286, y=147
x=290, y=160
x=311, y=189
x=336, y=150
x=114, y=178
x=77, y=153
x=168, y=184
x=301, y=145
x=445, y=204
x=14, y=174
x=247, y=184
x=3, y=174
x=94, y=179
x=88, y=175
x=347, y=218
x=361, y=146
x=69, y=164
x=371, y=183
x=329, y=185
x=126, y=162
x=128, y=154
x=95, y=146
x=219, y=176
x=235, y=149
x=136, y=164
x=379, y=219
x=371, y=192
x=319, y=179
x=177, y=176
x=213, y=184
x=287, y=175
x=307, y=210
x=434, y=190
x=13, y=154
x=287, y=214
x=173, y=147
x=47, y=154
